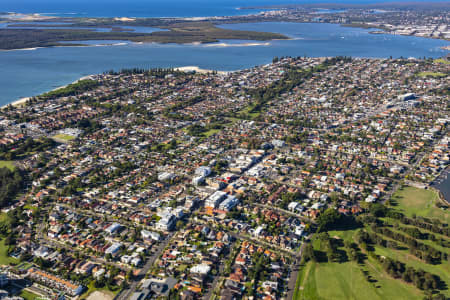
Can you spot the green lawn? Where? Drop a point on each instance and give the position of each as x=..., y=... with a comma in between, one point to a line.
x=30, y=207
x=443, y=269
x=7, y=164
x=345, y=235
x=421, y=202
x=442, y=61
x=335, y=281
x=182, y=268
x=4, y=217
x=300, y=282
x=211, y=132
x=207, y=133
x=432, y=74
x=28, y=295
x=247, y=111
x=251, y=115
x=426, y=242
x=332, y=280
x=5, y=259
x=64, y=137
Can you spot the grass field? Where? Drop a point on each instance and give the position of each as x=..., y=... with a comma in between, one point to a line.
x=246, y=113
x=64, y=137
x=28, y=295
x=442, y=61
x=421, y=202
x=427, y=242
x=431, y=74
x=7, y=164
x=4, y=217
x=30, y=207
x=300, y=282
x=211, y=132
x=347, y=280
x=251, y=115
x=334, y=281
x=4, y=258
x=443, y=270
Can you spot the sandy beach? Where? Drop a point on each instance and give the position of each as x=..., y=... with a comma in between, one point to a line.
x=237, y=45
x=27, y=17
x=19, y=102
x=199, y=70
x=21, y=49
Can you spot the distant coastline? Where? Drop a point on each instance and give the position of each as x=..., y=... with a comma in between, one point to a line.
x=42, y=31
x=314, y=39
x=51, y=31
x=74, y=45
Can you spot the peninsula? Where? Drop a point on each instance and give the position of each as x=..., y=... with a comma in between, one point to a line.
x=67, y=32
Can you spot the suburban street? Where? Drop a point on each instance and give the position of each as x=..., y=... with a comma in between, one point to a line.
x=125, y=294
x=295, y=268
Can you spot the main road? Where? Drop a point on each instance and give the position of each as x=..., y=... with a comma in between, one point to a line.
x=126, y=293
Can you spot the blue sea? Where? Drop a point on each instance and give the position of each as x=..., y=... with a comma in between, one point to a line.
x=150, y=8
x=443, y=184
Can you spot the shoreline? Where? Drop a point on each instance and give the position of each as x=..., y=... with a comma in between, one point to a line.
x=32, y=17
x=437, y=185
x=197, y=69
x=217, y=20
x=125, y=43
x=217, y=43
x=17, y=103
x=75, y=46
x=22, y=101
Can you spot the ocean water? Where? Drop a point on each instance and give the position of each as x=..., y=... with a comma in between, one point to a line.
x=31, y=72
x=149, y=8
x=443, y=184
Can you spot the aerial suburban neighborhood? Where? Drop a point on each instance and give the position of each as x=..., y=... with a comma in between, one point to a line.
x=174, y=184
